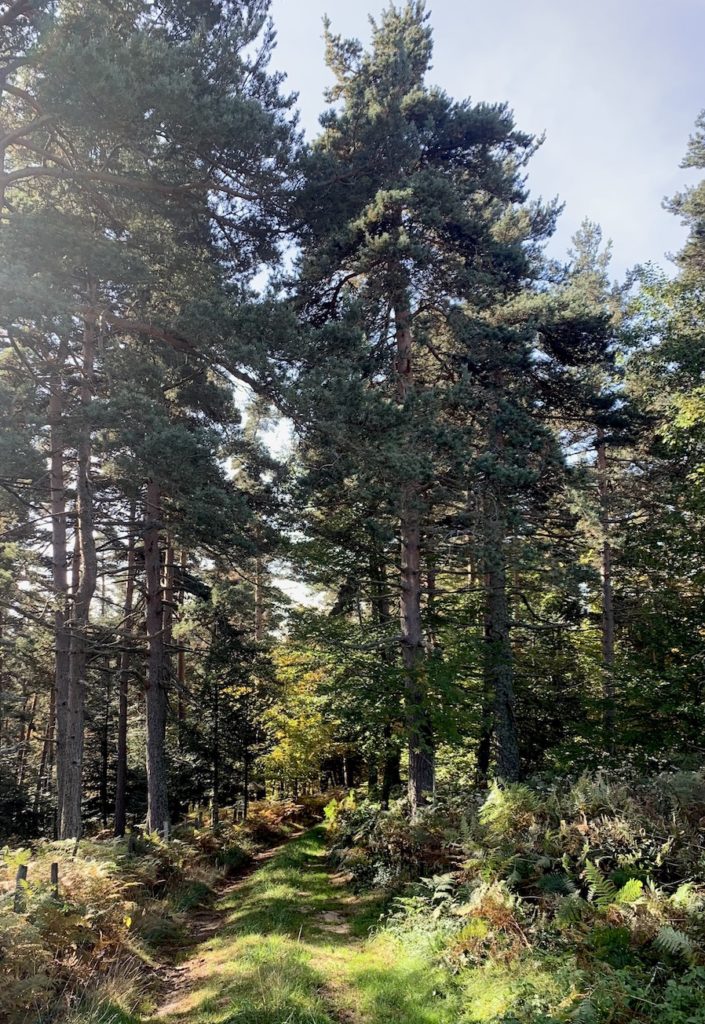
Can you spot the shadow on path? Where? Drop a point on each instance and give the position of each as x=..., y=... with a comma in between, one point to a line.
x=290, y=947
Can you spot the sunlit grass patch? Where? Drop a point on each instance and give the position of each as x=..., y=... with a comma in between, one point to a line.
x=526, y=989
x=398, y=986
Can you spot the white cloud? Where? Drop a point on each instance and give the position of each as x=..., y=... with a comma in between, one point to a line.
x=616, y=85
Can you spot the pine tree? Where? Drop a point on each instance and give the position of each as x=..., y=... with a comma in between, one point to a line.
x=417, y=211
x=157, y=192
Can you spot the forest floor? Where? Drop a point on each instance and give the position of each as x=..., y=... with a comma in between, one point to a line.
x=291, y=944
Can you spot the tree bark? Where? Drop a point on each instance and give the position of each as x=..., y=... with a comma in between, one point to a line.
x=498, y=667
x=608, y=689
x=379, y=600
x=25, y=741
x=87, y=575
x=419, y=730
x=155, y=695
x=45, y=764
x=181, y=659
x=215, y=804
x=105, y=747
x=484, y=744
x=124, y=683
x=169, y=606
x=62, y=642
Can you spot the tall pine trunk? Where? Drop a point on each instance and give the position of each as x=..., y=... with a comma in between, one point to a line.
x=45, y=764
x=498, y=667
x=85, y=579
x=155, y=695
x=105, y=743
x=124, y=683
x=484, y=744
x=608, y=689
x=379, y=599
x=215, y=803
x=62, y=641
x=419, y=731
x=181, y=657
x=169, y=606
x=26, y=740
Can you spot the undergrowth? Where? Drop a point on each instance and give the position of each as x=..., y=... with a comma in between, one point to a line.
x=91, y=952
x=547, y=903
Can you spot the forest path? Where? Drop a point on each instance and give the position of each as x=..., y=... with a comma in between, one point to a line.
x=288, y=945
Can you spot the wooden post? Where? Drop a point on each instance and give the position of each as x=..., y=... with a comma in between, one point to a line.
x=20, y=889
x=55, y=878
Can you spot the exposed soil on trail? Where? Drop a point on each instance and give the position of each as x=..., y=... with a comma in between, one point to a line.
x=203, y=924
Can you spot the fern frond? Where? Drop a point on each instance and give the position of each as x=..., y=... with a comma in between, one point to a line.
x=557, y=883
x=571, y=910
x=631, y=892
x=672, y=942
x=603, y=892
x=686, y=898
x=586, y=1013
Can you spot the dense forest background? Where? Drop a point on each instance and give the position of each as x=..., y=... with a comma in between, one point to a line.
x=492, y=492
x=352, y=591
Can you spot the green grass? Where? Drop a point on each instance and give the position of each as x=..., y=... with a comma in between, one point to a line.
x=293, y=949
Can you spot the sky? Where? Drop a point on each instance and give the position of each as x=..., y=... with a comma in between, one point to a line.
x=615, y=85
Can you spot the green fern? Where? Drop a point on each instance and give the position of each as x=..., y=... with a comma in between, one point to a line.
x=439, y=889
x=631, y=892
x=557, y=883
x=586, y=1013
x=603, y=892
x=464, y=832
x=505, y=806
x=674, y=943
x=571, y=910
x=685, y=898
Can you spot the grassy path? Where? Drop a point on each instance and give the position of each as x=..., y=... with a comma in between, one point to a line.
x=292, y=947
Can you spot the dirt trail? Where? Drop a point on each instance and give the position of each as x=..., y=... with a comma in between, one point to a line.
x=289, y=943
x=176, y=981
